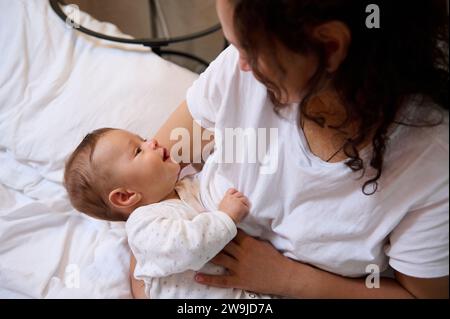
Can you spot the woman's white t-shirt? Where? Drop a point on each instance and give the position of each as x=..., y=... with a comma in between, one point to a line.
x=313, y=211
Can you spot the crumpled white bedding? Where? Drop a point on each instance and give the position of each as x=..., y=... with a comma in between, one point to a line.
x=56, y=85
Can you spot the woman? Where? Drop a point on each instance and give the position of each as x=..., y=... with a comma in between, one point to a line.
x=361, y=180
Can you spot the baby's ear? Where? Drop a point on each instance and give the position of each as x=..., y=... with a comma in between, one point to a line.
x=124, y=198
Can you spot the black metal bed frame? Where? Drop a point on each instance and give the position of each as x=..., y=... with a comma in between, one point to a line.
x=156, y=44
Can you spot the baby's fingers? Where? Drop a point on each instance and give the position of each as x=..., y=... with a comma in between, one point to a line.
x=245, y=201
x=231, y=191
x=238, y=194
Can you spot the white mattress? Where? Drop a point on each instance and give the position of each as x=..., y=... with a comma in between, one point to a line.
x=56, y=85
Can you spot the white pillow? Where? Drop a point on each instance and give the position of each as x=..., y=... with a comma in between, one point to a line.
x=57, y=84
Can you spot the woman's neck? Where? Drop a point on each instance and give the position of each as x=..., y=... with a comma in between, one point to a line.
x=327, y=142
x=329, y=106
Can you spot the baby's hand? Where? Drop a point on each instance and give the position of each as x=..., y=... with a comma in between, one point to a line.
x=235, y=204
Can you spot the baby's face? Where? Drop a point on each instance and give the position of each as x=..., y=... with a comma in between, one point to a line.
x=136, y=164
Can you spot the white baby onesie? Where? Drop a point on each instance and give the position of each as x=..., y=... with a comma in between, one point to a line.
x=174, y=239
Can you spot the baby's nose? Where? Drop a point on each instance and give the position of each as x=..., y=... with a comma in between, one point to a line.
x=153, y=143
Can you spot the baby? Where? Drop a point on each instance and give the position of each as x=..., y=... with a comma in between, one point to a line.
x=118, y=176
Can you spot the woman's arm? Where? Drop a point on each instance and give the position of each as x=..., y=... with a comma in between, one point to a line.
x=137, y=286
x=314, y=283
x=257, y=266
x=179, y=121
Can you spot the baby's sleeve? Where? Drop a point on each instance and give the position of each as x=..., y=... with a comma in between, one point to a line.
x=164, y=241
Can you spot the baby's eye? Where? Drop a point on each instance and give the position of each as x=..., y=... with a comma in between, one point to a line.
x=138, y=150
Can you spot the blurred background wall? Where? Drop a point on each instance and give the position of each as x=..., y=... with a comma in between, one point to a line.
x=182, y=16
x=133, y=17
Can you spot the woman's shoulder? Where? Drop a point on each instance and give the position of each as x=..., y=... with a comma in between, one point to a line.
x=223, y=90
x=422, y=124
x=417, y=153
x=226, y=63
x=225, y=73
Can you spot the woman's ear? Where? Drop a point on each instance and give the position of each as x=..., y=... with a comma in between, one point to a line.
x=124, y=198
x=336, y=37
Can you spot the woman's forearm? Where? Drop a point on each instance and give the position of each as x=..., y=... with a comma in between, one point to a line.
x=255, y=265
x=304, y=281
x=189, y=137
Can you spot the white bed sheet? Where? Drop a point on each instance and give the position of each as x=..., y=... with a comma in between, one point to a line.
x=56, y=85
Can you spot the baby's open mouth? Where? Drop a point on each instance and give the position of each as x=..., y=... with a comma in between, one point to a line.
x=166, y=154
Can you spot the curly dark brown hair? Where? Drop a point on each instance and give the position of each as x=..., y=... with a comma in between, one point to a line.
x=407, y=56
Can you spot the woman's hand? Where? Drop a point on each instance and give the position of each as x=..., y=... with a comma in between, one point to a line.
x=253, y=265
x=257, y=266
